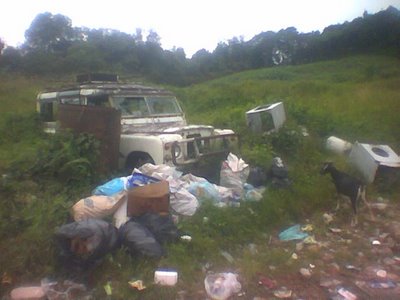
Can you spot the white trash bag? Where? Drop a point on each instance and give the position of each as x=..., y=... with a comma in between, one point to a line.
x=234, y=173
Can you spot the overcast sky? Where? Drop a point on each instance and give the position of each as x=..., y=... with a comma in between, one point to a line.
x=191, y=25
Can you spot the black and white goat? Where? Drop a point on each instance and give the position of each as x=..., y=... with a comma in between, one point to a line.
x=347, y=186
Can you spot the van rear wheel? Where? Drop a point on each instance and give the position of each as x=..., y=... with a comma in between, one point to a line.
x=136, y=160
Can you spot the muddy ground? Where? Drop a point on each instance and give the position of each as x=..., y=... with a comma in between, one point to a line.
x=342, y=262
x=339, y=262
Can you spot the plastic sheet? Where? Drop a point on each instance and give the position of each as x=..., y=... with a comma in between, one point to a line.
x=292, y=233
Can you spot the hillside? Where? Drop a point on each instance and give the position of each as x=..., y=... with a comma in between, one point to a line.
x=355, y=98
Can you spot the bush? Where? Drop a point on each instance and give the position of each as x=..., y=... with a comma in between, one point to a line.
x=68, y=158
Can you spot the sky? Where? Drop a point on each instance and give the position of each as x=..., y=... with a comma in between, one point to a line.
x=188, y=24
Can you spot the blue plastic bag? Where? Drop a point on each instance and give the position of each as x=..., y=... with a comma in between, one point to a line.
x=292, y=233
x=204, y=190
x=139, y=179
x=110, y=188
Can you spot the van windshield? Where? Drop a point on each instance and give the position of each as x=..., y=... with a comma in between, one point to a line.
x=163, y=106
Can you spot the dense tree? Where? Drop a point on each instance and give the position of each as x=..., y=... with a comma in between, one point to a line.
x=50, y=33
x=53, y=46
x=11, y=59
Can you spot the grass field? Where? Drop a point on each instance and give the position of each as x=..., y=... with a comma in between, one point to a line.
x=356, y=99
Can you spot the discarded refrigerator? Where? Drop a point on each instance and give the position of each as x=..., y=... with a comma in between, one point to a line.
x=266, y=118
x=368, y=158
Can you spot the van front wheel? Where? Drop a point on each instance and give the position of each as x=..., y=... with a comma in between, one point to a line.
x=136, y=160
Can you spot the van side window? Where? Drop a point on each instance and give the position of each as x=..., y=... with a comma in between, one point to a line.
x=98, y=100
x=70, y=100
x=46, y=112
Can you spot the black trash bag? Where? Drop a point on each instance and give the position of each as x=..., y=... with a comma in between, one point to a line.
x=83, y=244
x=139, y=240
x=278, y=174
x=257, y=176
x=161, y=226
x=278, y=169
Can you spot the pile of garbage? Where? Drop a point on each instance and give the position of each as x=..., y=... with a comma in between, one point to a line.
x=140, y=212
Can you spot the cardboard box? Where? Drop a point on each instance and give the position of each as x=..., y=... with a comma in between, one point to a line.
x=150, y=198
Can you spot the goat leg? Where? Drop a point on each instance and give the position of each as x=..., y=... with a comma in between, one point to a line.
x=354, y=220
x=337, y=203
x=364, y=198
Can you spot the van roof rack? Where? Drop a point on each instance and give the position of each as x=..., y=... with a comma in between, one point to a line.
x=96, y=77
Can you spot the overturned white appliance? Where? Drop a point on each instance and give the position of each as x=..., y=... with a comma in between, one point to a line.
x=265, y=118
x=367, y=158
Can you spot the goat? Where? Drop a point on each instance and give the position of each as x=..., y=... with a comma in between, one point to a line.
x=347, y=186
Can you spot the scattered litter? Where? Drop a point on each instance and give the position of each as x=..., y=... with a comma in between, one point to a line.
x=186, y=238
x=335, y=230
x=352, y=268
x=283, y=292
x=221, y=286
x=379, y=206
x=267, y=282
x=310, y=240
x=329, y=282
x=252, y=248
x=376, y=242
x=292, y=233
x=299, y=246
x=382, y=284
x=381, y=273
x=346, y=294
x=137, y=284
x=166, y=277
x=64, y=290
x=294, y=256
x=108, y=288
x=305, y=272
x=328, y=218
x=308, y=227
x=28, y=293
x=227, y=256
x=6, y=279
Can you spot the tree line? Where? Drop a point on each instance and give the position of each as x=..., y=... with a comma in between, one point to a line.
x=52, y=46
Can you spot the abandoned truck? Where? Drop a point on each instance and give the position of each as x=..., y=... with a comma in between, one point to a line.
x=153, y=127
